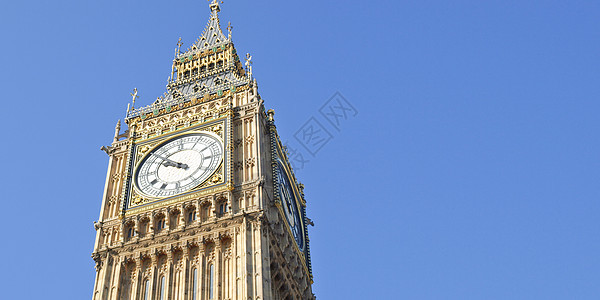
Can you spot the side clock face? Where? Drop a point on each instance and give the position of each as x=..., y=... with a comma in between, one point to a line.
x=178, y=165
x=290, y=206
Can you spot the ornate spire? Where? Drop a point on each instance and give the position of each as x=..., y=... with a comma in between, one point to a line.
x=212, y=35
x=209, y=66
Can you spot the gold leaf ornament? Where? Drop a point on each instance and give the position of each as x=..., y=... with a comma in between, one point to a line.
x=216, y=178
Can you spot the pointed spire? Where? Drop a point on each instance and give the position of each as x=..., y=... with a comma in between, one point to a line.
x=194, y=77
x=212, y=35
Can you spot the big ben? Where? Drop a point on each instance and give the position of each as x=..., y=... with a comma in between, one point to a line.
x=200, y=200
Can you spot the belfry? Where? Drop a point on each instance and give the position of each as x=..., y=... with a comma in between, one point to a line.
x=200, y=200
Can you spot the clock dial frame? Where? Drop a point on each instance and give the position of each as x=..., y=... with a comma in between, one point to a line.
x=178, y=164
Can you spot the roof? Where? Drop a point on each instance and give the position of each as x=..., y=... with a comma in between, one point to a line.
x=229, y=76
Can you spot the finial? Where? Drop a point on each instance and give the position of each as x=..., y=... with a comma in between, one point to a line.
x=249, y=64
x=229, y=27
x=179, y=44
x=117, y=130
x=135, y=96
x=214, y=6
x=271, y=113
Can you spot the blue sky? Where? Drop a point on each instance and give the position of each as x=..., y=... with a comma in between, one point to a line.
x=471, y=170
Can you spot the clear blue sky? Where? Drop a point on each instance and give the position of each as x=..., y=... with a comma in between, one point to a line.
x=471, y=170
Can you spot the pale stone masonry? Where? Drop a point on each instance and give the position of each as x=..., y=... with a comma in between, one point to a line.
x=200, y=200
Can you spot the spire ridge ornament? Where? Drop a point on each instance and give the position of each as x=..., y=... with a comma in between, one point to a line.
x=249, y=64
x=179, y=44
x=229, y=27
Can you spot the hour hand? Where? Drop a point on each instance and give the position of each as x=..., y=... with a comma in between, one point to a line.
x=168, y=162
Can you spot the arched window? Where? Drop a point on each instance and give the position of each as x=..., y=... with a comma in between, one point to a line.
x=191, y=216
x=194, y=283
x=162, y=288
x=147, y=290
x=160, y=225
x=130, y=232
x=211, y=278
x=222, y=208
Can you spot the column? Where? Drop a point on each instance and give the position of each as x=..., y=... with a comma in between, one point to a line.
x=218, y=273
x=181, y=224
x=185, y=273
x=169, y=276
x=167, y=213
x=135, y=279
x=116, y=280
x=153, y=272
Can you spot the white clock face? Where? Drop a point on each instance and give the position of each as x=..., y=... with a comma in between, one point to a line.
x=179, y=164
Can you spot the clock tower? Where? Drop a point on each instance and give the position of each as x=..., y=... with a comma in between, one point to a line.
x=200, y=201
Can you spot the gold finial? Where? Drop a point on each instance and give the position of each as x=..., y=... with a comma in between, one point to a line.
x=214, y=6
x=179, y=44
x=271, y=113
x=135, y=96
x=229, y=27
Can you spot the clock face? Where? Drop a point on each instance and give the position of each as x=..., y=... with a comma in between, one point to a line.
x=178, y=165
x=290, y=205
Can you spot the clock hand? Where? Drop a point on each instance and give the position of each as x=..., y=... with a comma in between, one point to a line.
x=167, y=162
x=166, y=159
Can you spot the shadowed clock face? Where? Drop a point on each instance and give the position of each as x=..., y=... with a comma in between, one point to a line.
x=290, y=205
x=179, y=165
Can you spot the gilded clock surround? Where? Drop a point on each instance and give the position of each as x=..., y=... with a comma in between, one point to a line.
x=220, y=177
x=231, y=227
